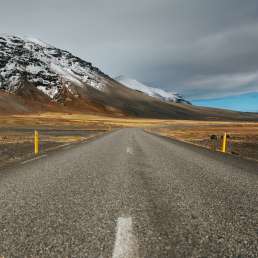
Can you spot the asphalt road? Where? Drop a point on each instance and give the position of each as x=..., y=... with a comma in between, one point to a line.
x=130, y=194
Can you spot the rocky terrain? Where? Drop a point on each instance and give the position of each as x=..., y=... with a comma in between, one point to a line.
x=49, y=69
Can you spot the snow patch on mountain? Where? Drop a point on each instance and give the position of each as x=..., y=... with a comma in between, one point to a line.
x=51, y=92
x=46, y=67
x=38, y=42
x=150, y=91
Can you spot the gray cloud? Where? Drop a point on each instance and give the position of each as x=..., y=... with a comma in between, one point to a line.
x=201, y=48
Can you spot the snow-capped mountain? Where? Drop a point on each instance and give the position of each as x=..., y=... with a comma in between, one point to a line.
x=150, y=91
x=43, y=76
x=38, y=77
x=49, y=69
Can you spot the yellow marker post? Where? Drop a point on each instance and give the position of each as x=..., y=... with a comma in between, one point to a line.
x=224, y=143
x=36, y=142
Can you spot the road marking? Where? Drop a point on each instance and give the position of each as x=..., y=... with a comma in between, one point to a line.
x=59, y=146
x=36, y=158
x=126, y=245
x=129, y=150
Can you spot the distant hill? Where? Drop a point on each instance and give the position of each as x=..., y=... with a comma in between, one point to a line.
x=152, y=92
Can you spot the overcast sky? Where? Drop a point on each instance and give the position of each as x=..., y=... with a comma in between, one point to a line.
x=200, y=48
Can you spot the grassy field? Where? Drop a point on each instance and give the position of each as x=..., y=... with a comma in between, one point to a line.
x=17, y=130
x=18, y=143
x=75, y=121
x=243, y=136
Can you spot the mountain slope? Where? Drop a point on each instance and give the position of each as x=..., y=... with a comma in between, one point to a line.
x=150, y=91
x=35, y=77
x=48, y=68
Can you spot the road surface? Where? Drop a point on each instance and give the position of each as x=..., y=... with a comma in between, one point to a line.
x=130, y=194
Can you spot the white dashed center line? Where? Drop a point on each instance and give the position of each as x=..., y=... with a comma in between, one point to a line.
x=129, y=150
x=126, y=245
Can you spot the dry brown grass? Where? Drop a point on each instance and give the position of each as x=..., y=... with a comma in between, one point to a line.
x=22, y=137
x=180, y=129
x=194, y=130
x=243, y=136
x=197, y=132
x=84, y=121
